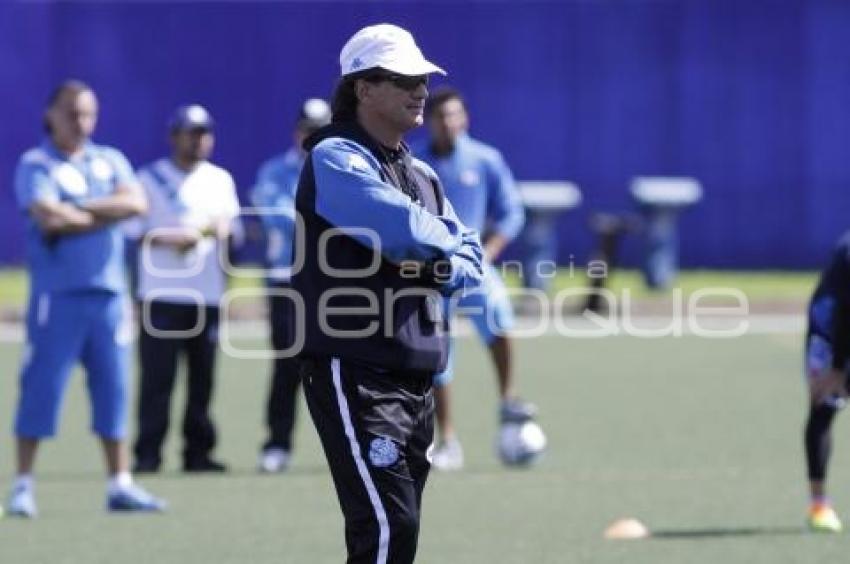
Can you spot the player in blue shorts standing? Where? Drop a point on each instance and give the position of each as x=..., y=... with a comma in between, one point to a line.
x=274, y=197
x=74, y=192
x=481, y=188
x=826, y=363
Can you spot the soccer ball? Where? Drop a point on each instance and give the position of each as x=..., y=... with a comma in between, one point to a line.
x=520, y=444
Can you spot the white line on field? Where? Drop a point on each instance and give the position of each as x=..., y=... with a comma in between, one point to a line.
x=762, y=324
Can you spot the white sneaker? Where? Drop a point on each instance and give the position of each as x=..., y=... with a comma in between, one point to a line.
x=22, y=503
x=274, y=460
x=448, y=456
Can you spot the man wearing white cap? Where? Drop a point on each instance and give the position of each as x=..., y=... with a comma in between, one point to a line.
x=274, y=200
x=382, y=246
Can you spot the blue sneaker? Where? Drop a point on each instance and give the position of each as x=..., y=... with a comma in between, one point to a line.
x=515, y=410
x=133, y=499
x=22, y=503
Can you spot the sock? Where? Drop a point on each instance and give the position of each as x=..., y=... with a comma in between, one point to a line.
x=819, y=440
x=820, y=501
x=24, y=481
x=119, y=481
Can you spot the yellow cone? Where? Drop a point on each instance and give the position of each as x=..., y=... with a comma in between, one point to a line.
x=626, y=529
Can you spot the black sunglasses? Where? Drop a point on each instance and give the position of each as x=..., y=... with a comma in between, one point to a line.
x=404, y=82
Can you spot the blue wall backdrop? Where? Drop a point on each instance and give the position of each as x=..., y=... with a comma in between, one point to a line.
x=751, y=97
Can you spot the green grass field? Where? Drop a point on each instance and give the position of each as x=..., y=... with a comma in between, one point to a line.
x=699, y=439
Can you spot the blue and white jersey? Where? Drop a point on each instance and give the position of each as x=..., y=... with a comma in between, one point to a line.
x=274, y=196
x=479, y=185
x=179, y=199
x=92, y=260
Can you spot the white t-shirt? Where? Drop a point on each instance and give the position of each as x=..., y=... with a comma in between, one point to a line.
x=177, y=198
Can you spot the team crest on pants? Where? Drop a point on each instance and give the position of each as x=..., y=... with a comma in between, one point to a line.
x=382, y=452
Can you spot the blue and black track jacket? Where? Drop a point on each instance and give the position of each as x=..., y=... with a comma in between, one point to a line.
x=378, y=211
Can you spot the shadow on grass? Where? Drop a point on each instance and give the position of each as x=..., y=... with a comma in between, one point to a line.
x=691, y=534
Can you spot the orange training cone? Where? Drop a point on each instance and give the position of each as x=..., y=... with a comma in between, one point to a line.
x=626, y=529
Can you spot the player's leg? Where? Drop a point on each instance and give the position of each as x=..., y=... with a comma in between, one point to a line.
x=56, y=326
x=106, y=358
x=281, y=409
x=368, y=454
x=818, y=436
x=395, y=450
x=420, y=442
x=491, y=312
x=198, y=428
x=502, y=356
x=157, y=372
x=282, y=400
x=443, y=411
x=448, y=452
x=25, y=450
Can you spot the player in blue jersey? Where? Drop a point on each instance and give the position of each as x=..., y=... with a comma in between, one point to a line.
x=826, y=365
x=274, y=198
x=482, y=190
x=74, y=193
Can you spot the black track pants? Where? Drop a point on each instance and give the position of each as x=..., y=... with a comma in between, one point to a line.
x=375, y=426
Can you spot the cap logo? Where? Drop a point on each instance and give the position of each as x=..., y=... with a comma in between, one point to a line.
x=356, y=63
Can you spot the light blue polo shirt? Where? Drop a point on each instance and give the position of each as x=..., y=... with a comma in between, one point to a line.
x=277, y=182
x=479, y=185
x=86, y=261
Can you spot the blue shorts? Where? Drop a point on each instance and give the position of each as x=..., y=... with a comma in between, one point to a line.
x=62, y=329
x=489, y=309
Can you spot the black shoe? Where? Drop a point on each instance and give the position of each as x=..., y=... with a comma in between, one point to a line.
x=204, y=465
x=146, y=467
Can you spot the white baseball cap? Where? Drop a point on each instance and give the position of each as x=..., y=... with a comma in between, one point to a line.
x=386, y=46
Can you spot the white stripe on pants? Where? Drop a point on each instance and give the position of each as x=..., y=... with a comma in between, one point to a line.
x=380, y=513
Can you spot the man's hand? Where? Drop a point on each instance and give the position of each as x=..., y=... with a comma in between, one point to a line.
x=217, y=229
x=433, y=272
x=186, y=241
x=183, y=239
x=125, y=202
x=61, y=218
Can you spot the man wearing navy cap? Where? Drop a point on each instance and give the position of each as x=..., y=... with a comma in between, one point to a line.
x=193, y=206
x=382, y=246
x=274, y=199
